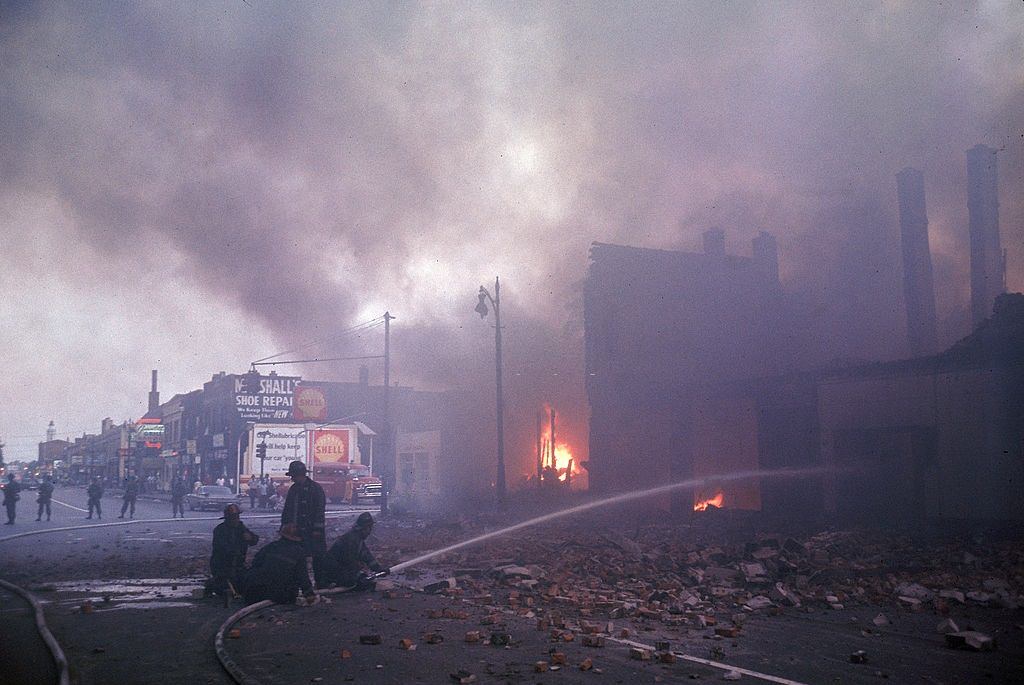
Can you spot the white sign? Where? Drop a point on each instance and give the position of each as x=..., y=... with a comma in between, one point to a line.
x=284, y=444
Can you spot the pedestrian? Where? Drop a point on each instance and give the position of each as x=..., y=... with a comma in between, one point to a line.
x=266, y=489
x=131, y=493
x=220, y=481
x=231, y=543
x=11, y=497
x=253, y=488
x=344, y=562
x=178, y=491
x=44, y=498
x=305, y=506
x=95, y=493
x=278, y=570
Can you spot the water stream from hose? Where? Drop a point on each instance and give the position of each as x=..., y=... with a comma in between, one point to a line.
x=616, y=499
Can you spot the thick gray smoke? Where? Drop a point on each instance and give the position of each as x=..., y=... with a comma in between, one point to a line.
x=190, y=186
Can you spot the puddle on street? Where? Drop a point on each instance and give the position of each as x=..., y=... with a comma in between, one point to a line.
x=111, y=594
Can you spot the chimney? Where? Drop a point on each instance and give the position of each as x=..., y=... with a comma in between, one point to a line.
x=154, y=396
x=714, y=242
x=364, y=376
x=988, y=267
x=918, y=289
x=766, y=255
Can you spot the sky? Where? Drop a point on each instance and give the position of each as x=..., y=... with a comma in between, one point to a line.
x=189, y=186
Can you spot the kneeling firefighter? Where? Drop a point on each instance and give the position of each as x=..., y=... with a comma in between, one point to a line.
x=346, y=559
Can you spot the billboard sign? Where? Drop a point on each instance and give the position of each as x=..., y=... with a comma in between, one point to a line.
x=331, y=445
x=265, y=398
x=284, y=444
x=310, y=403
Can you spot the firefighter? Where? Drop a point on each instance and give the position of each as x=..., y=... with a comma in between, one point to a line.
x=11, y=497
x=95, y=493
x=305, y=506
x=131, y=493
x=178, y=491
x=349, y=555
x=231, y=543
x=278, y=570
x=44, y=498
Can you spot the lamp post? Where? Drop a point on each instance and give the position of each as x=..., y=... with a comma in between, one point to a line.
x=481, y=309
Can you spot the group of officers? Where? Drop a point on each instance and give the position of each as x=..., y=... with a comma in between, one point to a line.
x=278, y=571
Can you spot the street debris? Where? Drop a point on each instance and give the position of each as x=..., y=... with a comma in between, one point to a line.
x=970, y=639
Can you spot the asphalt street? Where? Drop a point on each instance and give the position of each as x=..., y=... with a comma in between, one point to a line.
x=121, y=598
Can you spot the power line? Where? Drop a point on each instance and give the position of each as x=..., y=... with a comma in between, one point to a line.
x=357, y=328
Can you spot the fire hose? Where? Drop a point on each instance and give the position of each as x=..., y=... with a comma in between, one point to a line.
x=44, y=632
x=232, y=668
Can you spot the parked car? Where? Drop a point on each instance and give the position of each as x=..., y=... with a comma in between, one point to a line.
x=210, y=497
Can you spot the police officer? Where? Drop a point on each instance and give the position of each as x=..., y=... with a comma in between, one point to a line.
x=349, y=555
x=231, y=542
x=131, y=493
x=11, y=497
x=178, y=491
x=45, y=495
x=305, y=506
x=278, y=570
x=95, y=493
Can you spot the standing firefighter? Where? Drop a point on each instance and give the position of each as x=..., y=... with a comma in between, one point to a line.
x=305, y=506
x=349, y=555
x=231, y=542
x=11, y=497
x=131, y=493
x=95, y=493
x=44, y=498
x=178, y=491
x=278, y=570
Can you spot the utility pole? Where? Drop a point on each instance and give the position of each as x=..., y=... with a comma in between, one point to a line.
x=390, y=468
x=501, y=397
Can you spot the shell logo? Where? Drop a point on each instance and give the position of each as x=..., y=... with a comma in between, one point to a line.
x=330, y=447
x=310, y=403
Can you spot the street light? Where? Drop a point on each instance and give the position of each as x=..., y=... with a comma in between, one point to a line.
x=481, y=309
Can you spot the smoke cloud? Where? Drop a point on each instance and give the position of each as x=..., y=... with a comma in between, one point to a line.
x=190, y=186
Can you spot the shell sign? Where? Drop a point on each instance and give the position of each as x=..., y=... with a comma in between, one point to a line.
x=330, y=446
x=310, y=403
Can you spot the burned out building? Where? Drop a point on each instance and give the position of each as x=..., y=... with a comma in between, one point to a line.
x=661, y=341
x=939, y=437
x=692, y=373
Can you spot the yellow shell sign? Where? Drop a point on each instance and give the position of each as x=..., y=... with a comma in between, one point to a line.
x=330, y=446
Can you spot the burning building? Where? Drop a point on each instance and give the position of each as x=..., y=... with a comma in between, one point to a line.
x=661, y=341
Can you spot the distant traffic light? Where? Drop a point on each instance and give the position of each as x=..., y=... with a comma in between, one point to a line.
x=261, y=451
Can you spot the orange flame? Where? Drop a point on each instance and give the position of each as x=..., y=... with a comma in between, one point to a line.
x=563, y=457
x=716, y=501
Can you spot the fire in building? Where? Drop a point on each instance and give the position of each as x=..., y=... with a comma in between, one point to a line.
x=700, y=363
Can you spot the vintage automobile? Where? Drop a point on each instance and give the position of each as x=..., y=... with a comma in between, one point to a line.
x=343, y=483
x=210, y=497
x=347, y=482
